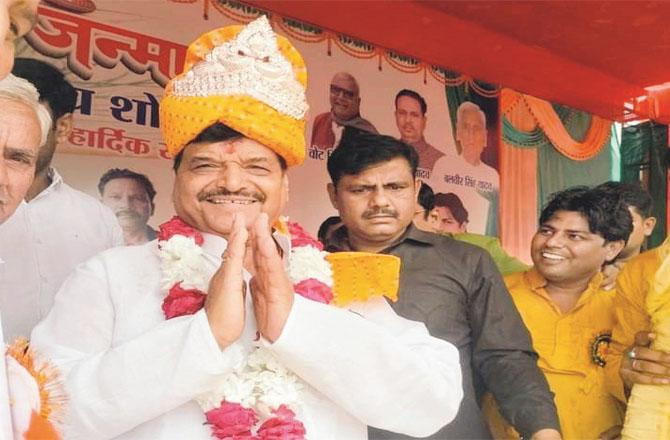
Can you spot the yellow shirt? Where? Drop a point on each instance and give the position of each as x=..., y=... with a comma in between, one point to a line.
x=571, y=346
x=632, y=286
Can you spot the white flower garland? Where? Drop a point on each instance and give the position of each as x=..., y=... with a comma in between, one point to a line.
x=262, y=383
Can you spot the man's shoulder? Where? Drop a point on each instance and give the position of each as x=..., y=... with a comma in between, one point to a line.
x=79, y=196
x=87, y=203
x=644, y=264
x=320, y=118
x=128, y=256
x=456, y=249
x=483, y=241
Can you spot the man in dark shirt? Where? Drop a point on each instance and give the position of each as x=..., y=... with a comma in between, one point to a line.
x=453, y=287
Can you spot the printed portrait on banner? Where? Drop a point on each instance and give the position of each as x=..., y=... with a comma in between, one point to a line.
x=469, y=175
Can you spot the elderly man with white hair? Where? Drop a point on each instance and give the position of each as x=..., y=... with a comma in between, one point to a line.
x=24, y=126
x=25, y=399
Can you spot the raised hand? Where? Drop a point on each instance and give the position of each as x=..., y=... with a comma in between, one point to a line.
x=225, y=300
x=271, y=288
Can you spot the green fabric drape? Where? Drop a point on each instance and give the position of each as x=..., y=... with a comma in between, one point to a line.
x=556, y=172
x=456, y=95
x=644, y=147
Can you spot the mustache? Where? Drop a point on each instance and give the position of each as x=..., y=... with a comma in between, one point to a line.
x=380, y=211
x=257, y=196
x=127, y=212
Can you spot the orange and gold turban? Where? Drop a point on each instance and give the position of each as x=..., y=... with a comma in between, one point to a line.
x=245, y=77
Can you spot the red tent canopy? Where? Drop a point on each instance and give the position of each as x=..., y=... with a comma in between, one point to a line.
x=598, y=56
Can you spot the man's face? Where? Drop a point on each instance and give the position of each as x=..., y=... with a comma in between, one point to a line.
x=217, y=179
x=377, y=204
x=565, y=252
x=447, y=222
x=129, y=201
x=642, y=228
x=471, y=135
x=410, y=120
x=17, y=18
x=431, y=223
x=19, y=143
x=344, y=97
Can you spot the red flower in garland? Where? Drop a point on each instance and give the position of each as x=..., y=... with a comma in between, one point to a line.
x=231, y=421
x=177, y=226
x=315, y=290
x=300, y=237
x=182, y=301
x=282, y=427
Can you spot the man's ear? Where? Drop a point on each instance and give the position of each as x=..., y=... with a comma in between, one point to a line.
x=417, y=188
x=612, y=249
x=64, y=126
x=332, y=194
x=648, y=225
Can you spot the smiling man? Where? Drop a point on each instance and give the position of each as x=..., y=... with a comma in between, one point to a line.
x=345, y=104
x=570, y=317
x=452, y=287
x=162, y=340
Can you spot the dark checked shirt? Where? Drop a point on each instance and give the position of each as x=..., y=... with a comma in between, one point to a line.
x=456, y=290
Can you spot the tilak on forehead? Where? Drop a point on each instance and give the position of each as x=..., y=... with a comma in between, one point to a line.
x=245, y=77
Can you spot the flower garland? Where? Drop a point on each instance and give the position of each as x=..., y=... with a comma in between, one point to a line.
x=26, y=371
x=261, y=389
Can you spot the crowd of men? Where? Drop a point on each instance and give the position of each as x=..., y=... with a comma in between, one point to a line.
x=543, y=352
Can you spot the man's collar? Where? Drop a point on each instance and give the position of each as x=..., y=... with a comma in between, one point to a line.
x=537, y=281
x=339, y=240
x=56, y=181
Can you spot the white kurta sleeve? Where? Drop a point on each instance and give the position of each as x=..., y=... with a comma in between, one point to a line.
x=113, y=387
x=383, y=369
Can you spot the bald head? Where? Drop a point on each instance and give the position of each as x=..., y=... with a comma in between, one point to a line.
x=344, y=96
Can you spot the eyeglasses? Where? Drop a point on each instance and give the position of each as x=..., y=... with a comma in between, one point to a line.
x=335, y=90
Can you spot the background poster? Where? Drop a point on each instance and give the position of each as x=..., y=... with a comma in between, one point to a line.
x=121, y=55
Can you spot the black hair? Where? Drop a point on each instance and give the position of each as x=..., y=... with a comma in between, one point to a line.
x=358, y=150
x=50, y=83
x=326, y=225
x=605, y=213
x=412, y=94
x=426, y=199
x=217, y=132
x=125, y=173
x=631, y=194
x=454, y=204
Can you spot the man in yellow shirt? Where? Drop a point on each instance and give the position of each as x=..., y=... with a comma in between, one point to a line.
x=570, y=317
x=629, y=360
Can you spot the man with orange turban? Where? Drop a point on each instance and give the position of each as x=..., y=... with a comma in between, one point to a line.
x=227, y=325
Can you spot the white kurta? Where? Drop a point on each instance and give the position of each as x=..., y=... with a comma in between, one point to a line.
x=131, y=374
x=41, y=243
